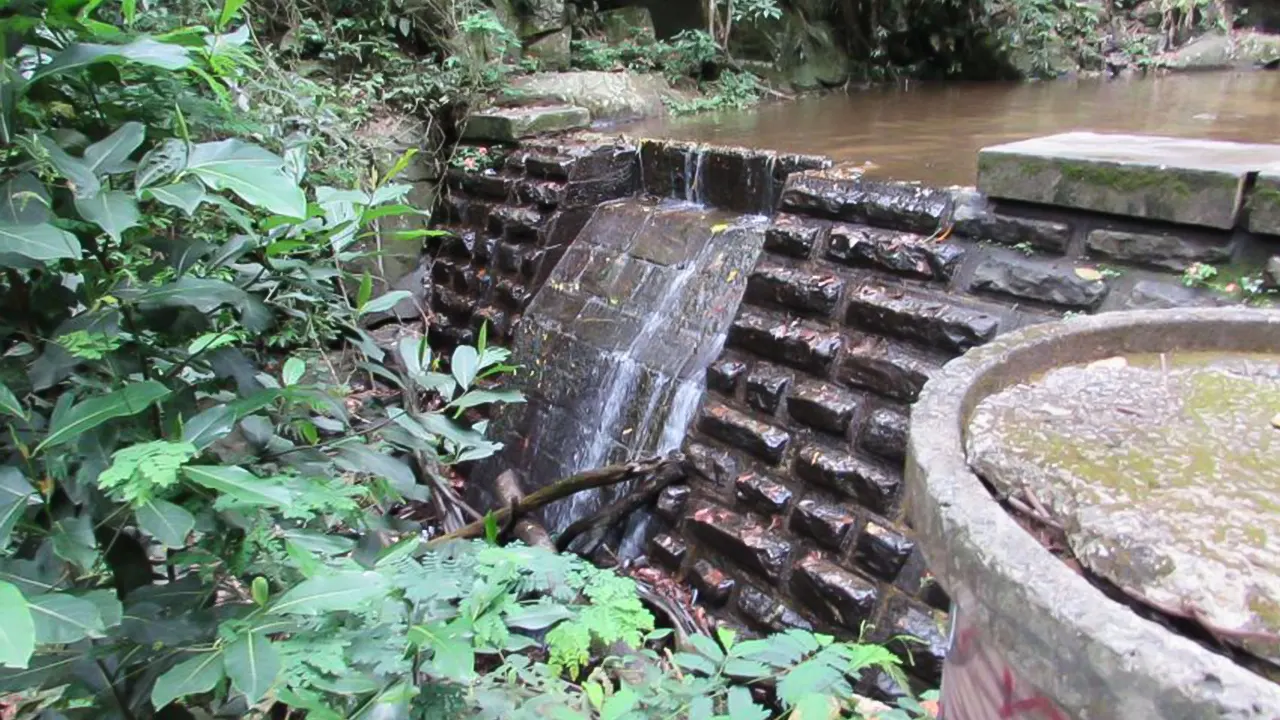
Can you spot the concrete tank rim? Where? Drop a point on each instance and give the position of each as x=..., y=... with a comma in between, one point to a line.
x=963, y=532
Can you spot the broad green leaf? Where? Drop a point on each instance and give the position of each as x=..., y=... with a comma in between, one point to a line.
x=454, y=658
x=707, y=647
x=537, y=616
x=164, y=160
x=620, y=703
x=9, y=404
x=365, y=292
x=169, y=524
x=108, y=604
x=61, y=618
x=329, y=593
x=111, y=154
x=382, y=303
x=815, y=706
x=41, y=243
x=292, y=371
x=254, y=173
x=252, y=663
x=129, y=8
x=84, y=183
x=203, y=294
x=743, y=707
x=397, y=473
x=260, y=591
x=112, y=210
x=16, y=494
x=24, y=200
x=239, y=484
x=321, y=543
x=484, y=397
x=698, y=663
x=415, y=354
x=465, y=365
x=74, y=542
x=17, y=629
x=185, y=195
x=144, y=50
x=129, y=400
x=200, y=674
x=209, y=426
x=229, y=10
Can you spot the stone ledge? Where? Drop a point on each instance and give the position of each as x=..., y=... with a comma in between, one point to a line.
x=1264, y=202
x=799, y=345
x=511, y=124
x=1042, y=282
x=1165, y=251
x=751, y=545
x=900, y=253
x=920, y=317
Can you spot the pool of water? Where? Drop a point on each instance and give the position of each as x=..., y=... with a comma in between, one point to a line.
x=932, y=132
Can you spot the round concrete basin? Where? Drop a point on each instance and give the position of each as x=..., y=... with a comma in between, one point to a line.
x=1032, y=638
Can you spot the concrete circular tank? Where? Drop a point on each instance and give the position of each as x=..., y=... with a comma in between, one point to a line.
x=1032, y=638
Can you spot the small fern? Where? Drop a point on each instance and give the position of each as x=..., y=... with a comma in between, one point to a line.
x=139, y=471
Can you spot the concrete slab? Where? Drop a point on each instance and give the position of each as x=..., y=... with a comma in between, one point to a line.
x=511, y=124
x=1264, y=202
x=1194, y=182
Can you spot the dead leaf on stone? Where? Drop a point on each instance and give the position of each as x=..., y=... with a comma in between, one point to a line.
x=1089, y=274
x=719, y=228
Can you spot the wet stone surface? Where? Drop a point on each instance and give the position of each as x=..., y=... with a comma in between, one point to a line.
x=926, y=654
x=921, y=318
x=794, y=288
x=712, y=584
x=871, y=486
x=741, y=540
x=885, y=434
x=825, y=522
x=882, y=550
x=668, y=550
x=724, y=375
x=1164, y=469
x=1165, y=251
x=975, y=219
x=790, y=236
x=894, y=205
x=745, y=432
x=1155, y=295
x=886, y=368
x=1038, y=281
x=833, y=593
x=768, y=614
x=797, y=344
x=822, y=406
x=896, y=252
x=762, y=494
x=671, y=502
x=765, y=387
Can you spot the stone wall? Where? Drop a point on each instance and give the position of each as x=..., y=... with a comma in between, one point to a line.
x=863, y=290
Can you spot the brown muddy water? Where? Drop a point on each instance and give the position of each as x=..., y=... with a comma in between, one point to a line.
x=932, y=132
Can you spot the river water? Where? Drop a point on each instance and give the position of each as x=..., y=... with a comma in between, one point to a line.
x=932, y=132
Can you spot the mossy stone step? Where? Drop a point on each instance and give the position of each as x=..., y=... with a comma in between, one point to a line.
x=1264, y=202
x=511, y=124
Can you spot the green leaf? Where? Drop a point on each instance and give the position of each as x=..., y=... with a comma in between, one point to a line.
x=239, y=484
x=185, y=195
x=200, y=674
x=162, y=161
x=74, y=542
x=209, y=426
x=814, y=706
x=203, y=294
x=365, y=292
x=382, y=303
x=108, y=604
x=697, y=663
x=129, y=8
x=252, y=663
x=129, y=400
x=620, y=703
x=111, y=154
x=254, y=173
x=169, y=524
x=16, y=494
x=398, y=474
x=229, y=10
x=743, y=707
x=321, y=543
x=24, y=200
x=112, y=210
x=330, y=593
x=9, y=404
x=260, y=591
x=707, y=647
x=465, y=365
x=17, y=629
x=484, y=397
x=537, y=616
x=41, y=243
x=61, y=618
x=84, y=183
x=292, y=371
x=747, y=669
x=144, y=50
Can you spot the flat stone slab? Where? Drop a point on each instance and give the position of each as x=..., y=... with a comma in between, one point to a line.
x=1264, y=202
x=1194, y=182
x=511, y=124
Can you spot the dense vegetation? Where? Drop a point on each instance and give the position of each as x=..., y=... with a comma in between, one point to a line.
x=217, y=481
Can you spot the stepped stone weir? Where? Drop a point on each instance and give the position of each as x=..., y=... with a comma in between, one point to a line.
x=776, y=318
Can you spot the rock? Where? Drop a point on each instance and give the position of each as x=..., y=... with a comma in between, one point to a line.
x=1038, y=281
x=510, y=124
x=1264, y=203
x=711, y=583
x=827, y=523
x=744, y=432
x=796, y=344
x=832, y=592
x=796, y=288
x=790, y=236
x=919, y=642
x=766, y=613
x=822, y=61
x=886, y=368
x=910, y=207
x=550, y=50
x=882, y=550
x=1155, y=295
x=724, y=375
x=921, y=317
x=531, y=18
x=608, y=96
x=1215, y=51
x=671, y=502
x=1165, y=251
x=1181, y=180
x=886, y=434
x=765, y=386
x=717, y=465
x=628, y=24
x=668, y=550
x=822, y=406
x=906, y=254
x=1271, y=274
x=751, y=545
x=871, y=486
x=974, y=218
x=761, y=493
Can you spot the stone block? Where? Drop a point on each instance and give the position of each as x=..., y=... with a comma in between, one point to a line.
x=667, y=167
x=795, y=288
x=668, y=550
x=550, y=50
x=766, y=613
x=893, y=205
x=725, y=374
x=510, y=257
x=924, y=656
x=790, y=236
x=901, y=253
x=550, y=167
x=885, y=434
x=765, y=386
x=543, y=193
x=718, y=466
x=628, y=24
x=455, y=305
x=822, y=406
x=516, y=223
x=762, y=493
x=1039, y=281
x=886, y=368
x=510, y=124
x=873, y=487
x=741, y=540
x=799, y=345
x=513, y=295
x=882, y=551
x=1166, y=251
x=974, y=218
x=671, y=502
x=825, y=522
x=1264, y=203
x=1158, y=295
x=1192, y=182
x=834, y=593
x=923, y=318
x=713, y=585
x=745, y=433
